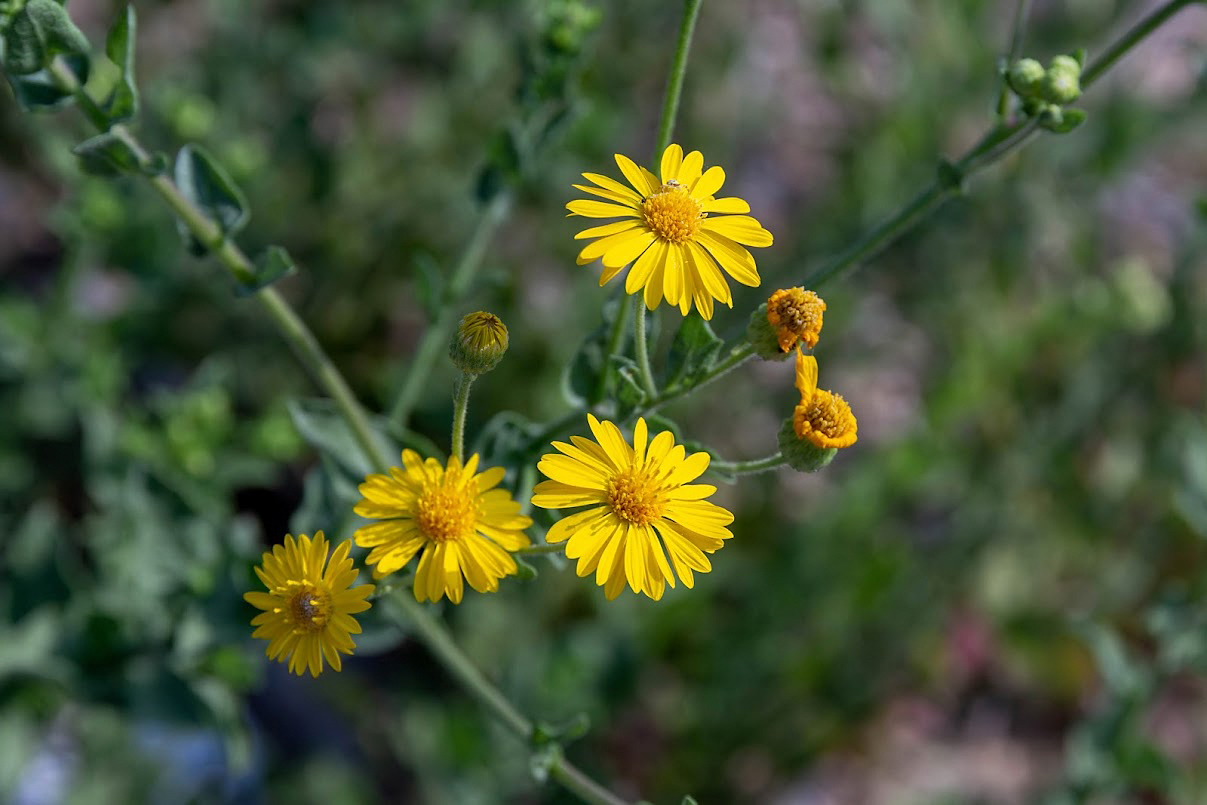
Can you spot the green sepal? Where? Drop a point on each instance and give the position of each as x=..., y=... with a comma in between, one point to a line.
x=762, y=336
x=801, y=454
x=693, y=351
x=205, y=183
x=106, y=155
x=524, y=570
x=1061, y=121
x=122, y=103
x=274, y=264
x=39, y=32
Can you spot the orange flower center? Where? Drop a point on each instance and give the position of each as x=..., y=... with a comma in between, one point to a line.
x=826, y=420
x=446, y=513
x=636, y=497
x=672, y=214
x=796, y=314
x=308, y=607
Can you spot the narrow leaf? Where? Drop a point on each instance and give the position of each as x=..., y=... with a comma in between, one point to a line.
x=105, y=155
x=204, y=182
x=693, y=350
x=271, y=266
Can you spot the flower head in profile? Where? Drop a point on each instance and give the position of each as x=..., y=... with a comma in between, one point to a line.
x=643, y=508
x=822, y=418
x=796, y=316
x=454, y=514
x=308, y=609
x=674, y=231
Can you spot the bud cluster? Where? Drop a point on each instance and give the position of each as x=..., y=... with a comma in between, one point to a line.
x=1045, y=92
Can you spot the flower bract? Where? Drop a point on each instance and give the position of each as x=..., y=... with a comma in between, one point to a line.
x=645, y=515
x=463, y=525
x=675, y=232
x=308, y=608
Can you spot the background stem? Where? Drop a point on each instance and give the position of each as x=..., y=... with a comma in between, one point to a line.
x=674, y=82
x=460, y=407
x=641, y=348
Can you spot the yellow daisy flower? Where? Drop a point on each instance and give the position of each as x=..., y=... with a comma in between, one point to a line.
x=675, y=229
x=822, y=418
x=636, y=494
x=463, y=524
x=308, y=610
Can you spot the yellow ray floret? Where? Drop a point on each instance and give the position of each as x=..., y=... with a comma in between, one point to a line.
x=308, y=609
x=677, y=236
x=464, y=526
x=645, y=516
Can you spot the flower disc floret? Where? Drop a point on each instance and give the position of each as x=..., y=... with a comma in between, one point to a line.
x=464, y=526
x=796, y=315
x=309, y=605
x=644, y=517
x=674, y=232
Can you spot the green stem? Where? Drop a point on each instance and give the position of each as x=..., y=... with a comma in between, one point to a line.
x=1129, y=40
x=748, y=467
x=737, y=356
x=438, y=640
x=435, y=635
x=995, y=144
x=641, y=348
x=536, y=550
x=294, y=330
x=435, y=338
x=674, y=83
x=460, y=407
x=1016, y=44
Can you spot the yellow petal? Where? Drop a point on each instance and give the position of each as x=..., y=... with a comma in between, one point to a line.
x=627, y=251
x=740, y=229
x=672, y=158
x=734, y=258
x=600, y=209
x=708, y=183
x=631, y=197
x=731, y=205
x=638, y=177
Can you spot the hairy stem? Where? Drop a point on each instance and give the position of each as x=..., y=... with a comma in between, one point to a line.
x=748, y=467
x=435, y=338
x=674, y=83
x=460, y=407
x=641, y=348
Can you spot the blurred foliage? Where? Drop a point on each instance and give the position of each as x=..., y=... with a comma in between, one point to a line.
x=1020, y=532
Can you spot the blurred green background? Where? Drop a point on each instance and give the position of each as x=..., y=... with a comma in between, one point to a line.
x=996, y=596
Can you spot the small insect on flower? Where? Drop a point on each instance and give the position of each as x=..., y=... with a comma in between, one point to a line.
x=464, y=525
x=675, y=232
x=636, y=494
x=308, y=609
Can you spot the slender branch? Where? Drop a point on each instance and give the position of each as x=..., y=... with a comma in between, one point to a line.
x=435, y=337
x=1021, y=9
x=435, y=635
x=674, y=83
x=1117, y=49
x=537, y=550
x=641, y=348
x=294, y=330
x=748, y=467
x=460, y=407
x=737, y=356
x=997, y=143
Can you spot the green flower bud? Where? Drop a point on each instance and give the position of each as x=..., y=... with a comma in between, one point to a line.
x=801, y=454
x=1026, y=77
x=479, y=343
x=1062, y=82
x=763, y=337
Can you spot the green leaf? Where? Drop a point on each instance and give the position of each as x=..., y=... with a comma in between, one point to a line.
x=320, y=423
x=524, y=570
x=504, y=437
x=693, y=351
x=580, y=380
x=629, y=393
x=205, y=183
x=39, y=90
x=274, y=264
x=106, y=155
x=39, y=32
x=122, y=103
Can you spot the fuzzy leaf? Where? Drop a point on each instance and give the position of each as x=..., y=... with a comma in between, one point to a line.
x=204, y=182
x=693, y=351
x=122, y=103
x=105, y=155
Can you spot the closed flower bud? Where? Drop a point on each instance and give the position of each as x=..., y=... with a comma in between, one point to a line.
x=1026, y=77
x=479, y=343
x=1062, y=81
